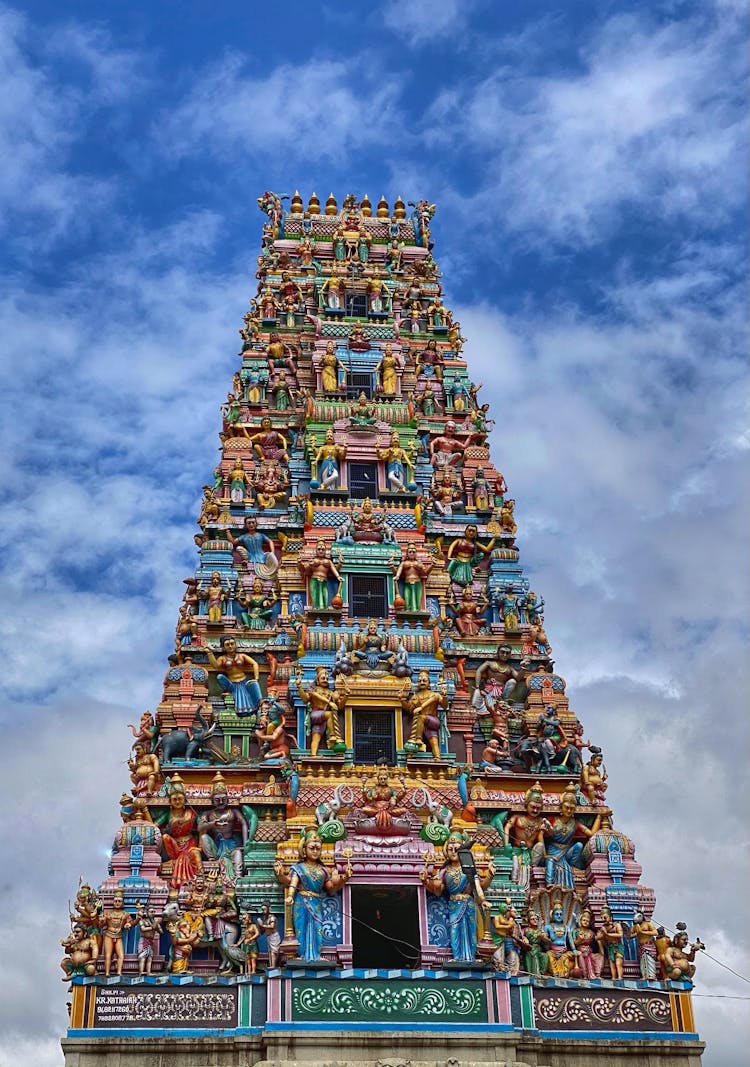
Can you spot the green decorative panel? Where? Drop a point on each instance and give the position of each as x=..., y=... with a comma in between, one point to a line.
x=383, y=1001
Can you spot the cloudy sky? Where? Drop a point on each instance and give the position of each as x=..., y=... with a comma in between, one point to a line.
x=587, y=159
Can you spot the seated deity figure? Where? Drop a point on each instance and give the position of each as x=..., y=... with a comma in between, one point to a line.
x=362, y=414
x=382, y=801
x=563, y=843
x=677, y=959
x=371, y=648
x=223, y=831
x=270, y=444
x=238, y=675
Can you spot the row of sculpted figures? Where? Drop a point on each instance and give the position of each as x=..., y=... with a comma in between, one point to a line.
x=495, y=913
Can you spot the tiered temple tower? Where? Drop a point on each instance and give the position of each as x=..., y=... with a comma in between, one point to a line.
x=364, y=816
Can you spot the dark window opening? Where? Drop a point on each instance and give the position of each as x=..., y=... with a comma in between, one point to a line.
x=359, y=382
x=374, y=736
x=363, y=480
x=356, y=305
x=385, y=926
x=368, y=596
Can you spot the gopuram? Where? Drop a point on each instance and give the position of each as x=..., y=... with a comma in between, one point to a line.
x=364, y=824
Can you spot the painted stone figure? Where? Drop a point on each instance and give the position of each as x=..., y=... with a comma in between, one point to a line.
x=412, y=572
x=424, y=707
x=464, y=554
x=307, y=883
x=324, y=706
x=563, y=844
x=318, y=571
x=328, y=462
x=179, y=838
x=237, y=675
x=465, y=898
x=223, y=831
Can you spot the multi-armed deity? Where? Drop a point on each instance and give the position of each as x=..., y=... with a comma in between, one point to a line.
x=361, y=727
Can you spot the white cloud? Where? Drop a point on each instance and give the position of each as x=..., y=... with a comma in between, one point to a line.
x=313, y=112
x=652, y=120
x=423, y=21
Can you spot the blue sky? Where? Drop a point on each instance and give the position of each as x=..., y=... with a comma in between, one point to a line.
x=588, y=161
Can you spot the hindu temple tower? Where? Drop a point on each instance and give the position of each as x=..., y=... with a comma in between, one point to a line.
x=364, y=823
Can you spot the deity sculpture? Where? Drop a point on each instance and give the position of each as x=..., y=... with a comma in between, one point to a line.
x=428, y=362
x=147, y=732
x=645, y=933
x=238, y=675
x=249, y=942
x=589, y=963
x=282, y=393
x=388, y=369
x=505, y=925
x=256, y=607
x=464, y=553
x=87, y=913
x=223, y=831
x=252, y=546
x=306, y=883
x=562, y=847
x=612, y=943
x=269, y=926
x=81, y=952
x=271, y=735
x=468, y=612
x=270, y=444
x=184, y=939
x=677, y=963
x=383, y=802
x=464, y=893
x=563, y=953
x=399, y=469
x=412, y=572
x=508, y=524
x=594, y=778
x=178, y=838
x=523, y=832
x=333, y=290
x=318, y=571
x=504, y=677
x=114, y=922
x=237, y=482
x=536, y=943
x=327, y=461
x=372, y=650
x=149, y=932
x=424, y=707
x=375, y=290
x=144, y=770
x=362, y=414
x=215, y=595
x=330, y=366
x=324, y=705
x=509, y=608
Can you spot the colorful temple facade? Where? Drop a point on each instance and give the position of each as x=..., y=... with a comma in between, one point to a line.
x=364, y=816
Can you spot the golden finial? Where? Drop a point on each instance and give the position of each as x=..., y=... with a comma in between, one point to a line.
x=314, y=205
x=296, y=207
x=383, y=211
x=332, y=207
x=366, y=206
x=399, y=209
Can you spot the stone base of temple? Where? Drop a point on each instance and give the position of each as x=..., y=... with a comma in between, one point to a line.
x=378, y=1018
x=368, y=1049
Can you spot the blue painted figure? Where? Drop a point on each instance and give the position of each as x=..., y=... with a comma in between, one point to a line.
x=462, y=899
x=307, y=882
x=562, y=847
